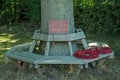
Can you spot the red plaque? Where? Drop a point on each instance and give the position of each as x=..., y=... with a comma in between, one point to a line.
x=58, y=26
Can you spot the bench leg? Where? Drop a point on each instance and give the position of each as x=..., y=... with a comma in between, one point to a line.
x=112, y=55
x=47, y=48
x=36, y=66
x=80, y=67
x=70, y=47
x=86, y=65
x=32, y=46
x=85, y=45
x=31, y=65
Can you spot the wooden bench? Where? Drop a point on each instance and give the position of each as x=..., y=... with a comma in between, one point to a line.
x=37, y=59
x=58, y=32
x=20, y=53
x=25, y=52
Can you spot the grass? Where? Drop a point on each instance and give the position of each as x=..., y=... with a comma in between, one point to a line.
x=22, y=33
x=13, y=35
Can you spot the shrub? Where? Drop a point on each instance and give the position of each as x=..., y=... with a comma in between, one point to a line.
x=99, y=16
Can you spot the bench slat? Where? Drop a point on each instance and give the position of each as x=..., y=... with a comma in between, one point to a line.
x=67, y=37
x=24, y=56
x=39, y=59
x=67, y=60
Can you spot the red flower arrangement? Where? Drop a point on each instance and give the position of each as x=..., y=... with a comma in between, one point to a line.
x=92, y=53
x=104, y=50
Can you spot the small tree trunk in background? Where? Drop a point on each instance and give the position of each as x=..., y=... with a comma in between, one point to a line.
x=57, y=10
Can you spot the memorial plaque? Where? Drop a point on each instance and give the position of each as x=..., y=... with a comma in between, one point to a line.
x=58, y=27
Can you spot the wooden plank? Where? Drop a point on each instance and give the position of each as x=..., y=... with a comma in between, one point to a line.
x=19, y=48
x=17, y=57
x=24, y=56
x=71, y=49
x=78, y=35
x=47, y=48
x=28, y=55
x=43, y=37
x=67, y=37
x=67, y=60
x=32, y=47
x=85, y=45
x=39, y=59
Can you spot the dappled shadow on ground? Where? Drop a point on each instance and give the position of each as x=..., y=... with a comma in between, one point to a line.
x=11, y=35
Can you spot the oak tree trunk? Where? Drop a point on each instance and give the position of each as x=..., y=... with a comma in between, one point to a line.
x=57, y=10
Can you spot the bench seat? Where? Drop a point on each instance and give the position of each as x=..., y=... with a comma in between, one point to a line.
x=40, y=59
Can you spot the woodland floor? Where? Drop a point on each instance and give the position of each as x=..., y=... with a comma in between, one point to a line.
x=11, y=35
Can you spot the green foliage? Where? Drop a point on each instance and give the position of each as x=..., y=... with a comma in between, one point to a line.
x=12, y=11
x=98, y=16
x=34, y=12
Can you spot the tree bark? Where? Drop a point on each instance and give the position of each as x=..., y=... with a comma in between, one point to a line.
x=57, y=10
